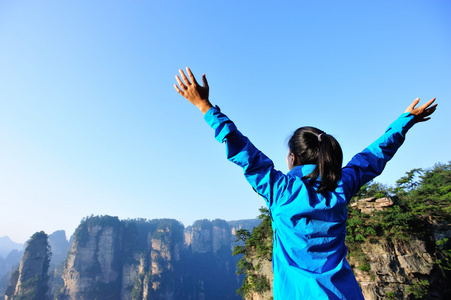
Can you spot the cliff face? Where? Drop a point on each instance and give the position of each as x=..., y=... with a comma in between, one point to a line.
x=30, y=281
x=208, y=237
x=136, y=259
x=153, y=272
x=208, y=264
x=141, y=259
x=400, y=268
x=393, y=267
x=114, y=259
x=93, y=263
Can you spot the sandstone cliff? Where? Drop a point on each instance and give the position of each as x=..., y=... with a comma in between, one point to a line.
x=400, y=268
x=208, y=262
x=93, y=262
x=142, y=259
x=157, y=259
x=30, y=281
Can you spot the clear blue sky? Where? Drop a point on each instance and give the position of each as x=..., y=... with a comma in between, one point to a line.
x=90, y=122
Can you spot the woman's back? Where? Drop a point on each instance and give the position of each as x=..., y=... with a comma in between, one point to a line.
x=309, y=252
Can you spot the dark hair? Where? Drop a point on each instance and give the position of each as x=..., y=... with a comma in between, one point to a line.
x=326, y=154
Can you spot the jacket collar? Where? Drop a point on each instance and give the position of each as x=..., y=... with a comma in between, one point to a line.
x=302, y=170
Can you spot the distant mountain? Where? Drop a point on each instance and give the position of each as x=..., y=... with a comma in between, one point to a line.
x=134, y=259
x=59, y=247
x=6, y=245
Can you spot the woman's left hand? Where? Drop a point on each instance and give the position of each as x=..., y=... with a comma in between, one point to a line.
x=192, y=91
x=423, y=112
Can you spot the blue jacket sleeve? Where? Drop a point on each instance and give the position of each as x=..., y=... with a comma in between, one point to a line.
x=369, y=163
x=258, y=168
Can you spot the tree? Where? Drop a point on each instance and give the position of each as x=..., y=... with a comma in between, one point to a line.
x=408, y=182
x=372, y=189
x=257, y=247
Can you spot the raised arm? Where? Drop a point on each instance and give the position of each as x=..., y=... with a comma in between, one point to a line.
x=370, y=163
x=258, y=168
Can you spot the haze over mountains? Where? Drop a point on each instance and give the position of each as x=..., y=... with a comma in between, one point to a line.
x=129, y=259
x=6, y=245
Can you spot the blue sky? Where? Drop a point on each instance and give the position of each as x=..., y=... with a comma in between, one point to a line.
x=90, y=122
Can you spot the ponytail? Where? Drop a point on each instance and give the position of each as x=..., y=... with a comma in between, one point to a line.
x=313, y=146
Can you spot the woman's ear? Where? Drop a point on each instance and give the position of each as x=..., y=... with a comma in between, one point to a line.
x=291, y=160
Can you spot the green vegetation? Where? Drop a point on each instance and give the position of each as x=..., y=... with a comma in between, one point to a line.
x=421, y=197
x=137, y=291
x=430, y=196
x=443, y=254
x=82, y=232
x=257, y=248
x=169, y=230
x=390, y=295
x=419, y=289
x=12, y=283
x=33, y=288
x=203, y=224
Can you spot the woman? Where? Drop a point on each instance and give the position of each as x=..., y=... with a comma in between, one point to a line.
x=308, y=204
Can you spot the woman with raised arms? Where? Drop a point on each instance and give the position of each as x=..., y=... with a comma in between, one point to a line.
x=308, y=204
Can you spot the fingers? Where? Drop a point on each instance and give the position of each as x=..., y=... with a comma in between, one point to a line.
x=204, y=80
x=427, y=104
x=412, y=105
x=178, y=89
x=191, y=76
x=423, y=112
x=429, y=111
x=185, y=79
x=179, y=81
x=423, y=120
x=423, y=107
x=426, y=109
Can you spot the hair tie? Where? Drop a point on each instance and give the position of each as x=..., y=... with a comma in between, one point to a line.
x=319, y=137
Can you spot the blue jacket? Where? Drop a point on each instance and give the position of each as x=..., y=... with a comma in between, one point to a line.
x=309, y=252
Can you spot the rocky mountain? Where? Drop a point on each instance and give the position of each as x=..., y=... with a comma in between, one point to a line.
x=132, y=259
x=404, y=267
x=59, y=246
x=30, y=281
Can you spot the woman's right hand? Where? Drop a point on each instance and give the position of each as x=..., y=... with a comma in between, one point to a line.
x=192, y=91
x=423, y=112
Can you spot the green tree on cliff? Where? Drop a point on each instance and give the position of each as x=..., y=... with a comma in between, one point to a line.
x=257, y=248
